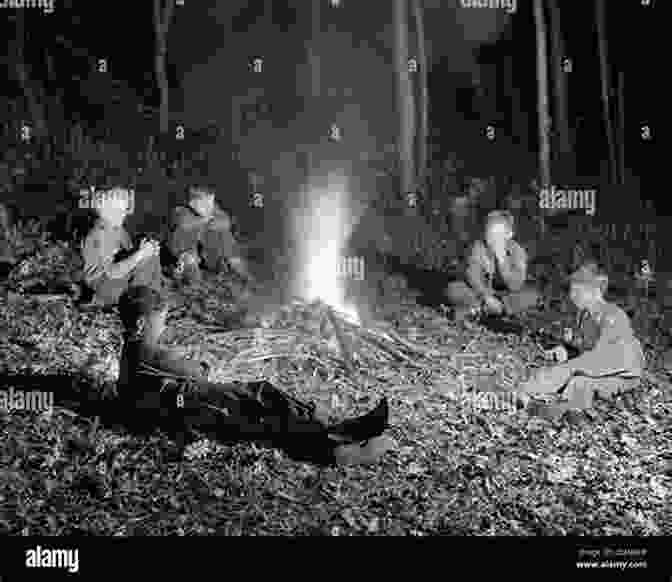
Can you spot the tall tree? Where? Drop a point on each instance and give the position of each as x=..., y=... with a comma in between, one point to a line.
x=563, y=147
x=423, y=132
x=163, y=15
x=29, y=87
x=542, y=100
x=519, y=114
x=605, y=81
x=314, y=62
x=313, y=50
x=621, y=125
x=405, y=103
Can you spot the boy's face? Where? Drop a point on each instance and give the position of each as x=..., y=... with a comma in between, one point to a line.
x=114, y=211
x=498, y=234
x=583, y=295
x=204, y=205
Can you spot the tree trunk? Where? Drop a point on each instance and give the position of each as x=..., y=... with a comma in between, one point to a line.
x=313, y=51
x=542, y=102
x=314, y=101
x=424, y=93
x=519, y=114
x=22, y=72
x=162, y=19
x=604, y=78
x=621, y=125
x=563, y=146
x=405, y=105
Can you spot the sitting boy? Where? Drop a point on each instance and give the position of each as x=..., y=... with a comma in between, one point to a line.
x=495, y=274
x=201, y=236
x=110, y=264
x=613, y=365
x=161, y=385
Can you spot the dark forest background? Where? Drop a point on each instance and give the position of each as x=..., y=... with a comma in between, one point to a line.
x=101, y=121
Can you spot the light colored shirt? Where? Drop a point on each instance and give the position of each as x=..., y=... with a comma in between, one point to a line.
x=617, y=350
x=99, y=249
x=483, y=267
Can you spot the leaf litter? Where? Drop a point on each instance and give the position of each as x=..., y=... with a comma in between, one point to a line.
x=459, y=467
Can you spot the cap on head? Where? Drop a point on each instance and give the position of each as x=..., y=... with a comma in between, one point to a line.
x=590, y=275
x=139, y=301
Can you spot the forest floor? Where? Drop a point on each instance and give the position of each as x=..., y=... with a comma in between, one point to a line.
x=460, y=467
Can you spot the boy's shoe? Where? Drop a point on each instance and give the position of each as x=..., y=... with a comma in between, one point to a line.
x=501, y=324
x=358, y=429
x=364, y=454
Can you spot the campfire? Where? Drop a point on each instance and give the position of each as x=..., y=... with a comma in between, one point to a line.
x=323, y=229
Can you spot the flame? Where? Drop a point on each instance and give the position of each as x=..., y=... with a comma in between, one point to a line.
x=322, y=231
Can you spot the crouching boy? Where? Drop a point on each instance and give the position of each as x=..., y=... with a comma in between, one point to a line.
x=201, y=237
x=157, y=383
x=612, y=366
x=496, y=273
x=111, y=264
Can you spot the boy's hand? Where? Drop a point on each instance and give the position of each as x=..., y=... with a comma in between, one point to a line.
x=148, y=249
x=500, y=252
x=494, y=305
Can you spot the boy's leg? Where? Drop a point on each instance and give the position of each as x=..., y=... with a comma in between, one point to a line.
x=218, y=246
x=581, y=390
x=546, y=381
x=462, y=297
x=148, y=273
x=188, y=268
x=520, y=301
x=612, y=359
x=183, y=239
x=260, y=412
x=107, y=291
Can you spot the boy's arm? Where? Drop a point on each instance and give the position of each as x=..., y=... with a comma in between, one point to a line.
x=184, y=218
x=126, y=242
x=514, y=267
x=476, y=276
x=218, y=212
x=221, y=218
x=97, y=262
x=616, y=350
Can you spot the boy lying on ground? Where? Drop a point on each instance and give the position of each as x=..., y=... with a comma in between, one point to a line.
x=612, y=366
x=161, y=384
x=110, y=264
x=496, y=273
x=201, y=236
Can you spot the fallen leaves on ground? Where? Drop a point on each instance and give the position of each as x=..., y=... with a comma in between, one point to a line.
x=459, y=468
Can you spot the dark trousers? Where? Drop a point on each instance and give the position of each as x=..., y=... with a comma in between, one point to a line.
x=212, y=245
x=255, y=411
x=463, y=297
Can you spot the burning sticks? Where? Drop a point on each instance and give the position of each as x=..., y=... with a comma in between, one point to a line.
x=342, y=341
